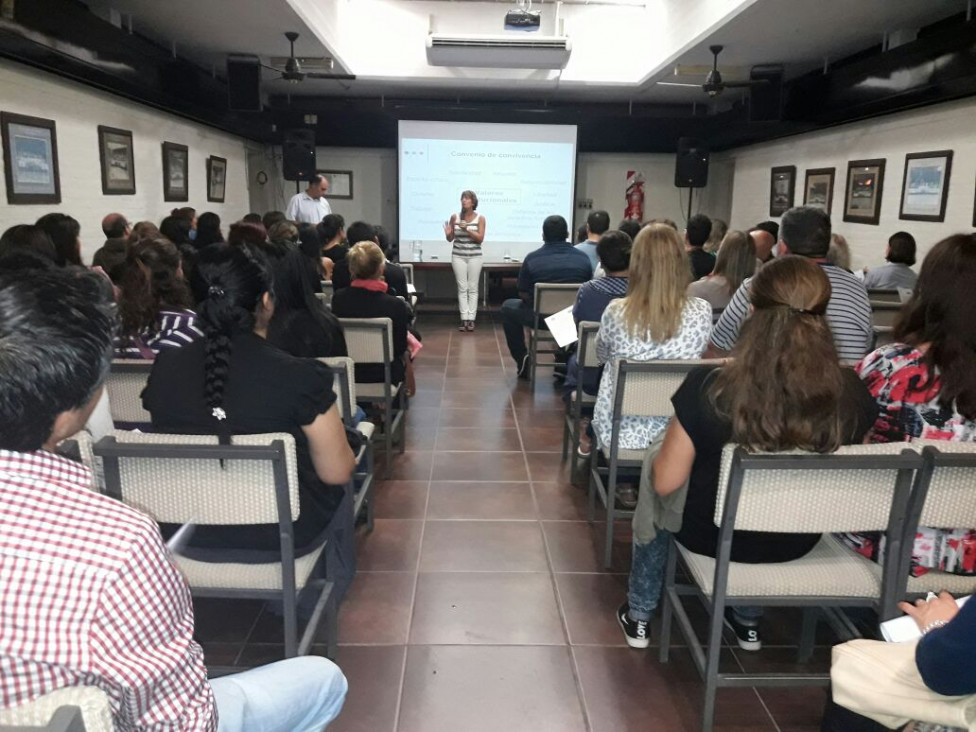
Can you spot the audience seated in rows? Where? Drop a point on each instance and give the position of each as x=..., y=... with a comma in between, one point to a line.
x=27, y=239
x=392, y=273
x=696, y=234
x=271, y=218
x=208, y=230
x=143, y=230
x=783, y=389
x=252, y=218
x=557, y=261
x=806, y=231
x=64, y=232
x=244, y=232
x=99, y=578
x=332, y=234
x=597, y=223
x=110, y=258
x=115, y=226
x=283, y=232
x=897, y=273
x=735, y=263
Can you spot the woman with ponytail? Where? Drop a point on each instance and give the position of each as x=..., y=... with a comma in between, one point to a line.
x=783, y=389
x=234, y=382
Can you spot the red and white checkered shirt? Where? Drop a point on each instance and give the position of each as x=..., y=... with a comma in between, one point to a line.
x=88, y=596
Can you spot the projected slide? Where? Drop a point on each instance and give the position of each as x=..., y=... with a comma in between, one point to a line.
x=520, y=173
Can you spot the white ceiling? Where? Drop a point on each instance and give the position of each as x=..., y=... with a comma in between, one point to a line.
x=621, y=47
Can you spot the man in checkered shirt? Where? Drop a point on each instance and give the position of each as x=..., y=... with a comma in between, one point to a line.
x=88, y=595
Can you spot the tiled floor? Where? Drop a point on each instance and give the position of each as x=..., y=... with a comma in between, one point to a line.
x=481, y=602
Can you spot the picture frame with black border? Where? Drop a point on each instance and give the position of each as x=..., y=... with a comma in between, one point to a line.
x=176, y=172
x=216, y=179
x=30, y=159
x=818, y=188
x=925, y=186
x=863, y=191
x=117, y=158
x=340, y=183
x=782, y=189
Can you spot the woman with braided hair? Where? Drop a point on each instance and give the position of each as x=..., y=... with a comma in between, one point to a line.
x=233, y=381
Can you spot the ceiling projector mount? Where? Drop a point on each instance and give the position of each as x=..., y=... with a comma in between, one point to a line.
x=522, y=17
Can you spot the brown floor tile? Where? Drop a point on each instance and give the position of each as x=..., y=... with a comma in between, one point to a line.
x=374, y=675
x=576, y=546
x=480, y=466
x=491, y=416
x=427, y=397
x=493, y=501
x=479, y=439
x=376, y=611
x=783, y=660
x=224, y=620
x=796, y=709
x=546, y=467
x=464, y=398
x=560, y=501
x=486, y=608
x=542, y=437
x=393, y=546
x=543, y=398
x=411, y=465
x=402, y=499
x=489, y=689
x=589, y=602
x=483, y=546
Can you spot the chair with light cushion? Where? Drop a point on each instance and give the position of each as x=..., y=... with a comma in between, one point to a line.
x=550, y=298
x=884, y=314
x=191, y=479
x=126, y=379
x=858, y=488
x=69, y=709
x=587, y=358
x=328, y=290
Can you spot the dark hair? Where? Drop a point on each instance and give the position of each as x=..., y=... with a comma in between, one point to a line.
x=382, y=238
x=252, y=218
x=143, y=230
x=901, y=248
x=317, y=179
x=111, y=258
x=56, y=329
x=581, y=233
x=186, y=212
x=176, y=229
x=555, y=228
x=114, y=226
x=358, y=231
x=64, y=232
x=598, y=222
x=806, y=231
x=941, y=312
x=27, y=238
x=331, y=225
x=283, y=231
x=235, y=282
x=474, y=199
x=208, y=230
x=736, y=259
x=244, y=232
x=613, y=249
x=666, y=222
x=296, y=280
x=698, y=229
x=150, y=282
x=24, y=259
x=271, y=218
x=770, y=227
x=631, y=227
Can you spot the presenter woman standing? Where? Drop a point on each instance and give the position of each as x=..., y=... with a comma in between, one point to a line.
x=467, y=231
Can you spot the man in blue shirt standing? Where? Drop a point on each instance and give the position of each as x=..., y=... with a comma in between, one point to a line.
x=557, y=261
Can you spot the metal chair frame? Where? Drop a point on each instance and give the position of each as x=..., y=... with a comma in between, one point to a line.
x=587, y=333
x=542, y=309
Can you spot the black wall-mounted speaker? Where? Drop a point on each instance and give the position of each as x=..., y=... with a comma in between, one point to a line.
x=244, y=83
x=298, y=154
x=691, y=163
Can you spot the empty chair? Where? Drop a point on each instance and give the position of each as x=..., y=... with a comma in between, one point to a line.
x=549, y=299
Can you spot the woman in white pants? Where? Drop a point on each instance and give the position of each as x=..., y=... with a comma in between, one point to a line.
x=467, y=231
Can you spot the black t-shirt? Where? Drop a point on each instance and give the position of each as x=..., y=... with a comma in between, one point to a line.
x=709, y=433
x=702, y=263
x=358, y=302
x=267, y=390
x=336, y=253
x=303, y=335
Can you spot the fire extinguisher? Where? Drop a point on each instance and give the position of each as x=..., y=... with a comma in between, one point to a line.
x=635, y=196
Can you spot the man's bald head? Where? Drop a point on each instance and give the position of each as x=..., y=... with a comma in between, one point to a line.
x=764, y=242
x=115, y=226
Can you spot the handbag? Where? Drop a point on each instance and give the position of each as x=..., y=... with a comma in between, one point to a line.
x=881, y=681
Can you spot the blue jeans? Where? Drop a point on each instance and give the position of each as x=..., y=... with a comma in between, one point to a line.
x=647, y=578
x=295, y=695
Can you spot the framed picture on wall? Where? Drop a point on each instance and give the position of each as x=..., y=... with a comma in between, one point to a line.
x=818, y=188
x=862, y=198
x=340, y=183
x=925, y=187
x=118, y=161
x=782, y=186
x=30, y=159
x=216, y=179
x=176, y=172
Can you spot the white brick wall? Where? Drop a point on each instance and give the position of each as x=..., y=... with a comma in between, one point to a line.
x=78, y=111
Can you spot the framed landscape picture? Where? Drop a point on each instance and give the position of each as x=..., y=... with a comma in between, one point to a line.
x=176, y=172
x=340, y=183
x=925, y=187
x=30, y=159
x=782, y=185
x=818, y=189
x=216, y=179
x=862, y=197
x=118, y=161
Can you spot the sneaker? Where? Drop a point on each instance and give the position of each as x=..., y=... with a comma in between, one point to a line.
x=637, y=632
x=746, y=631
x=585, y=443
x=524, y=367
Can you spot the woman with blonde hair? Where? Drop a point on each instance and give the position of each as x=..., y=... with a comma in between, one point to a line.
x=736, y=262
x=783, y=389
x=716, y=238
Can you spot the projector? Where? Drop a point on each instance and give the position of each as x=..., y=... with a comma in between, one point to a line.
x=524, y=20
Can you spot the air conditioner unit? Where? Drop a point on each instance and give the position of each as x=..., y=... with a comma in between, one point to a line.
x=504, y=52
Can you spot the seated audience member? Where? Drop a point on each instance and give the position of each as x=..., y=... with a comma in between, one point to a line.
x=390, y=248
x=897, y=273
x=154, y=302
x=115, y=226
x=143, y=230
x=208, y=230
x=839, y=252
x=311, y=246
x=283, y=232
x=597, y=224
x=631, y=227
x=177, y=229
x=271, y=218
x=190, y=214
x=806, y=231
x=253, y=218
x=367, y=297
x=64, y=232
x=783, y=389
x=25, y=238
x=332, y=233
x=716, y=236
x=765, y=235
x=302, y=325
x=392, y=273
x=103, y=564
x=111, y=258
x=736, y=262
x=556, y=261
x=696, y=234
x=580, y=234
x=666, y=222
x=243, y=233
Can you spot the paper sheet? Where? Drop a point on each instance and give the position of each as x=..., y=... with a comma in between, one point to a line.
x=563, y=327
x=905, y=628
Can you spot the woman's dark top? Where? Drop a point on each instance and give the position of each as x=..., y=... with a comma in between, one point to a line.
x=301, y=334
x=393, y=274
x=356, y=302
x=945, y=656
x=266, y=390
x=710, y=433
x=336, y=253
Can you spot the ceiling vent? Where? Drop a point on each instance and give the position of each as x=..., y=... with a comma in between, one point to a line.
x=502, y=52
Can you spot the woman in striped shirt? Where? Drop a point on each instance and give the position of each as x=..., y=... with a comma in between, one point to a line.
x=467, y=231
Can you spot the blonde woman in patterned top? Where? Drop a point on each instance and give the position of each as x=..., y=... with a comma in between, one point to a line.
x=467, y=231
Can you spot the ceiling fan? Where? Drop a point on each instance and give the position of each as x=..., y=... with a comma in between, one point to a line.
x=293, y=69
x=714, y=85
